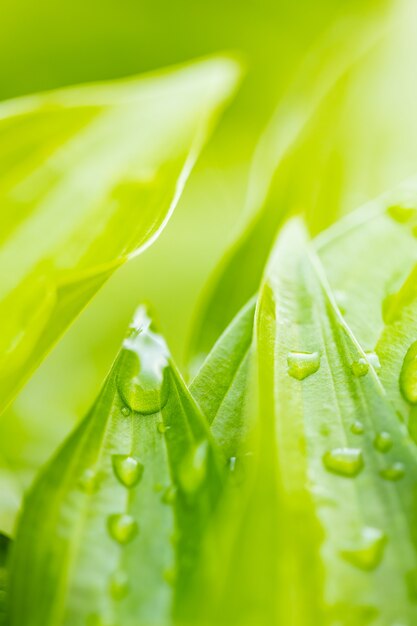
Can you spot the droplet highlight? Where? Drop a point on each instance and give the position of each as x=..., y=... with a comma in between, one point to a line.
x=127, y=469
x=119, y=585
x=369, y=553
x=357, y=428
x=303, y=364
x=346, y=462
x=89, y=481
x=122, y=528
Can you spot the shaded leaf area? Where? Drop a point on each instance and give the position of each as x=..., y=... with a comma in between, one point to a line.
x=110, y=531
x=221, y=386
x=5, y=543
x=89, y=177
x=296, y=146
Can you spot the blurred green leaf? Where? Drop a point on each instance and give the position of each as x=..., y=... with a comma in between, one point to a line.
x=291, y=172
x=111, y=529
x=5, y=543
x=89, y=176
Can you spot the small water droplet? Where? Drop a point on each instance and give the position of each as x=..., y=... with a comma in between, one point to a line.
x=394, y=472
x=344, y=461
x=357, y=428
x=360, y=367
x=303, y=364
x=89, y=480
x=401, y=213
x=368, y=555
x=119, y=585
x=128, y=469
x=169, y=495
x=383, y=441
x=373, y=359
x=194, y=467
x=142, y=382
x=122, y=527
x=162, y=428
x=126, y=411
x=408, y=375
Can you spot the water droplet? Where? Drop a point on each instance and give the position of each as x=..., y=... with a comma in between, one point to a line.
x=368, y=555
x=383, y=441
x=119, y=585
x=394, y=472
x=303, y=364
x=373, y=360
x=143, y=363
x=408, y=375
x=193, y=469
x=122, y=527
x=169, y=495
x=401, y=213
x=126, y=411
x=127, y=469
x=162, y=428
x=360, y=367
x=357, y=428
x=89, y=480
x=344, y=461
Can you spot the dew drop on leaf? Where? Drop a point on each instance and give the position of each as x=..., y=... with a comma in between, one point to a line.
x=143, y=362
x=303, y=364
x=161, y=428
x=344, y=461
x=128, y=469
x=401, y=213
x=169, y=495
x=394, y=472
x=126, y=411
x=383, y=441
x=360, y=367
x=89, y=481
x=373, y=360
x=119, y=585
x=357, y=428
x=408, y=375
x=194, y=467
x=368, y=554
x=122, y=527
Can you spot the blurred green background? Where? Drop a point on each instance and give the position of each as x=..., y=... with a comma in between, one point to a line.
x=373, y=133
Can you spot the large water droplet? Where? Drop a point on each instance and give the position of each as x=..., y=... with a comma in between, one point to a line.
x=194, y=467
x=360, y=367
x=128, y=469
x=394, y=472
x=119, y=585
x=357, y=428
x=122, y=527
x=368, y=554
x=408, y=375
x=383, y=441
x=303, y=364
x=344, y=461
x=142, y=382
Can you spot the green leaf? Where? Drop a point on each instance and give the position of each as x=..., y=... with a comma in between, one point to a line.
x=5, y=543
x=346, y=468
x=88, y=178
x=110, y=532
x=220, y=387
x=290, y=164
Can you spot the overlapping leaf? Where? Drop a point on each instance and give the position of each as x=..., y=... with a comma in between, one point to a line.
x=110, y=532
x=88, y=177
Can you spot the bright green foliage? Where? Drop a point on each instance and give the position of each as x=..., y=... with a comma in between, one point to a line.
x=111, y=529
x=88, y=177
